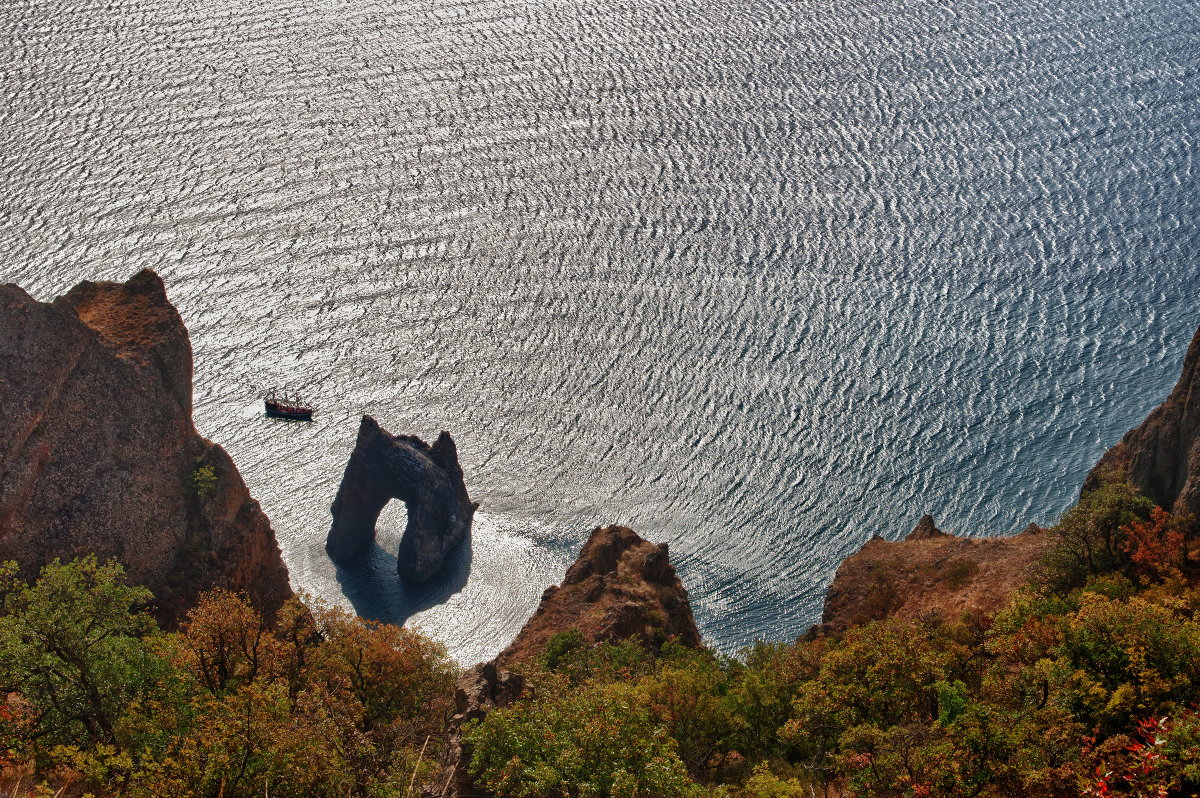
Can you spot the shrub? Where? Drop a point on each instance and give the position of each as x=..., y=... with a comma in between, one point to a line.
x=560, y=647
x=203, y=481
x=596, y=740
x=1089, y=539
x=960, y=573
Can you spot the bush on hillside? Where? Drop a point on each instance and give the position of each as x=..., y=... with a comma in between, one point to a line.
x=1089, y=539
x=322, y=704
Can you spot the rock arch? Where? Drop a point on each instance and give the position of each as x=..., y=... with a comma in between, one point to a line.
x=428, y=479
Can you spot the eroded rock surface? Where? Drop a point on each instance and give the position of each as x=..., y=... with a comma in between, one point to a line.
x=477, y=692
x=620, y=586
x=98, y=452
x=930, y=572
x=1162, y=454
x=428, y=479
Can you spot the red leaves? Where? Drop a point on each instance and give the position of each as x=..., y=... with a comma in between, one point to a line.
x=1138, y=769
x=1155, y=547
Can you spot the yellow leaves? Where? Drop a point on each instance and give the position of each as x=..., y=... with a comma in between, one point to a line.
x=1122, y=701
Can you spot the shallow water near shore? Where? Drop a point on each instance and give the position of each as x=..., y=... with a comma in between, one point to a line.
x=760, y=279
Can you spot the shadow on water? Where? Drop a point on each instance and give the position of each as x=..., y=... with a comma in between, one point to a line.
x=378, y=593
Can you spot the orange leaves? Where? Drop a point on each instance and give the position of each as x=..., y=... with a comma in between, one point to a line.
x=226, y=643
x=1156, y=547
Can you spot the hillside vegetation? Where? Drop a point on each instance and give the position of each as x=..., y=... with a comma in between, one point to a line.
x=1086, y=684
x=102, y=701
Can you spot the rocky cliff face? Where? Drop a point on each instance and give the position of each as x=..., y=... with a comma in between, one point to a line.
x=930, y=572
x=428, y=479
x=477, y=692
x=1162, y=455
x=98, y=452
x=620, y=586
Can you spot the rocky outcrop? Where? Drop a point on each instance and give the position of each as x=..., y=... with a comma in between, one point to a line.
x=98, y=452
x=1162, y=455
x=620, y=586
x=428, y=479
x=929, y=573
x=476, y=693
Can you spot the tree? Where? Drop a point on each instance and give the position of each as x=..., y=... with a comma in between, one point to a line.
x=227, y=644
x=1089, y=538
x=71, y=646
x=1156, y=548
x=595, y=740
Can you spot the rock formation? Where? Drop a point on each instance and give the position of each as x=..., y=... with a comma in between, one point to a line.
x=930, y=572
x=1162, y=455
x=428, y=479
x=476, y=693
x=98, y=452
x=620, y=586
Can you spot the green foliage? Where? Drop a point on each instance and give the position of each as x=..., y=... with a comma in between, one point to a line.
x=567, y=657
x=1089, y=538
x=765, y=784
x=203, y=481
x=321, y=704
x=597, y=740
x=688, y=695
x=1086, y=684
x=560, y=647
x=952, y=701
x=71, y=646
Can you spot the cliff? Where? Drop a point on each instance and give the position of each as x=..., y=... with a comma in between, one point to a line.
x=428, y=479
x=98, y=452
x=620, y=586
x=1162, y=455
x=930, y=572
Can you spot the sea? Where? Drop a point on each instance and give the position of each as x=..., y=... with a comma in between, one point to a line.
x=760, y=279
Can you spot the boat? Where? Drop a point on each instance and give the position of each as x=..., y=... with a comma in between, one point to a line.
x=292, y=408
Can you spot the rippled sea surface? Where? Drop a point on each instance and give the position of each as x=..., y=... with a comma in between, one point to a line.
x=758, y=278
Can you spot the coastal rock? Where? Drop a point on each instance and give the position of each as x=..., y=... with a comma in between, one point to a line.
x=930, y=573
x=428, y=479
x=620, y=586
x=98, y=452
x=1162, y=454
x=925, y=530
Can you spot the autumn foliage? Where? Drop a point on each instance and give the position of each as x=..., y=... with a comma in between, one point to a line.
x=1157, y=547
x=320, y=704
x=1086, y=684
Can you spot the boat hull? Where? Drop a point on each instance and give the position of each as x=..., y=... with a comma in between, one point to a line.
x=289, y=415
